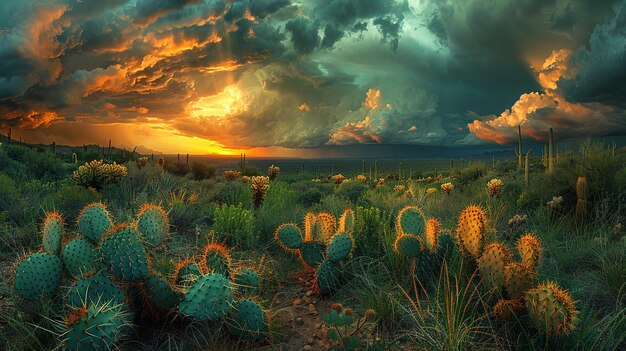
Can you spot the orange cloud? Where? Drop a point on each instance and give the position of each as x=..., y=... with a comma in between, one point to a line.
x=29, y=120
x=111, y=79
x=373, y=99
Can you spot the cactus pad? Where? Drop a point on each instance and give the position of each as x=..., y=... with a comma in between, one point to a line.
x=94, y=221
x=346, y=221
x=246, y=281
x=433, y=229
x=152, y=224
x=209, y=298
x=328, y=277
x=52, y=233
x=491, y=264
x=408, y=245
x=410, y=220
x=162, y=292
x=94, y=327
x=288, y=236
x=506, y=309
x=248, y=321
x=95, y=289
x=340, y=247
x=81, y=256
x=38, y=275
x=312, y=253
x=529, y=249
x=124, y=255
x=518, y=278
x=217, y=259
x=551, y=309
x=187, y=272
x=325, y=226
x=471, y=230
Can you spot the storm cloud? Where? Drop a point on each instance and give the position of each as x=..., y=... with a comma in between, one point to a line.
x=256, y=73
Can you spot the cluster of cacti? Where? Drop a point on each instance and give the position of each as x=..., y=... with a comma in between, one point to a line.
x=98, y=313
x=323, y=248
x=231, y=175
x=259, y=186
x=338, y=179
x=550, y=309
x=211, y=288
x=494, y=186
x=273, y=172
x=447, y=188
x=141, y=162
x=97, y=173
x=361, y=178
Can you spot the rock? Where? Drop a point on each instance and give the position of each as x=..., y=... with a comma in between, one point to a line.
x=299, y=320
x=297, y=302
x=318, y=326
x=307, y=347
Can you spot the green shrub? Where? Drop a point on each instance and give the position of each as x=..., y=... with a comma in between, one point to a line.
x=351, y=190
x=177, y=168
x=202, y=170
x=474, y=171
x=235, y=224
x=278, y=207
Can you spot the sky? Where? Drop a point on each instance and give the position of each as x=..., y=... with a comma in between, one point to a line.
x=276, y=77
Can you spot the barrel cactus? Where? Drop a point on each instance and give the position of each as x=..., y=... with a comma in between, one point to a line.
x=248, y=321
x=209, y=298
x=94, y=221
x=152, y=224
x=38, y=275
x=52, y=233
x=80, y=256
x=471, y=230
x=124, y=255
x=551, y=309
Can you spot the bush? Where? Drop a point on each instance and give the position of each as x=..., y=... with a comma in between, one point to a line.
x=235, y=224
x=202, y=170
x=351, y=190
x=474, y=171
x=176, y=168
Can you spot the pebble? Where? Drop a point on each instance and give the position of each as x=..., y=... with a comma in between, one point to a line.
x=307, y=347
x=297, y=302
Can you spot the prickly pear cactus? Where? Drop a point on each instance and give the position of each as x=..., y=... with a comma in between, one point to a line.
x=325, y=227
x=94, y=221
x=410, y=220
x=491, y=265
x=38, y=275
x=81, y=256
x=312, y=253
x=506, y=309
x=209, y=298
x=162, y=292
x=152, y=224
x=340, y=246
x=329, y=277
x=52, y=233
x=518, y=278
x=346, y=221
x=431, y=235
x=246, y=281
x=408, y=245
x=124, y=255
x=551, y=309
x=529, y=249
x=470, y=232
x=288, y=236
x=247, y=321
x=95, y=289
x=94, y=327
x=309, y=225
x=217, y=259
x=187, y=271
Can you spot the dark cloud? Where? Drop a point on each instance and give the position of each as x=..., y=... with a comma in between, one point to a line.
x=304, y=35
